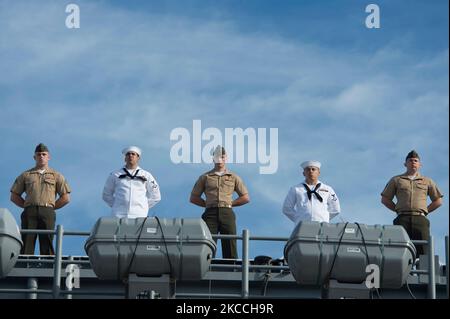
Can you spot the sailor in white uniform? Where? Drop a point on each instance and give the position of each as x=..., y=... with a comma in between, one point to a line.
x=131, y=191
x=311, y=200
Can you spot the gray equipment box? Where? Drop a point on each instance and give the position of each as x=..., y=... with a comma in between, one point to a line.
x=180, y=247
x=313, y=246
x=10, y=242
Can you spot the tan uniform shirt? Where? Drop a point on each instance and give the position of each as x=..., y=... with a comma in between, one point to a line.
x=219, y=189
x=411, y=194
x=40, y=189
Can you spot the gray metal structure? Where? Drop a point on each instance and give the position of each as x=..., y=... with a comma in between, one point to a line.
x=10, y=242
x=317, y=252
x=54, y=277
x=180, y=247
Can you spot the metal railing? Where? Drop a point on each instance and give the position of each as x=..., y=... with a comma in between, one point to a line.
x=245, y=266
x=431, y=271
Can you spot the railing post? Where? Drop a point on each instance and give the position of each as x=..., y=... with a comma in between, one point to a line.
x=57, y=262
x=447, y=262
x=245, y=244
x=431, y=270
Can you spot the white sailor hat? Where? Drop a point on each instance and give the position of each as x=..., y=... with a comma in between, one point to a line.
x=311, y=163
x=134, y=149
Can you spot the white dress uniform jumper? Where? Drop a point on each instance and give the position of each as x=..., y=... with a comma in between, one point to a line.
x=131, y=195
x=311, y=203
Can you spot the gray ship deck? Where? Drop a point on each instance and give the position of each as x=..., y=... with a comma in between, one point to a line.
x=36, y=277
x=33, y=277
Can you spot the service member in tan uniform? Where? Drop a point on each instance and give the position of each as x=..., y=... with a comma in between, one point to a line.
x=219, y=184
x=411, y=190
x=41, y=184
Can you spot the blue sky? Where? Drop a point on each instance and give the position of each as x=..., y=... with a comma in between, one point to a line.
x=356, y=99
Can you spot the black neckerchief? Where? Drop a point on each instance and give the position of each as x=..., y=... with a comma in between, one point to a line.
x=127, y=174
x=310, y=192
